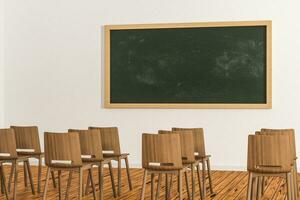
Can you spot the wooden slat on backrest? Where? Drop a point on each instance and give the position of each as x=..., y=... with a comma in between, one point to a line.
x=289, y=132
x=199, y=143
x=7, y=144
x=90, y=143
x=27, y=137
x=62, y=146
x=163, y=150
x=110, y=139
x=269, y=153
x=187, y=144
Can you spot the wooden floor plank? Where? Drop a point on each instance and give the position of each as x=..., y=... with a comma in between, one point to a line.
x=229, y=185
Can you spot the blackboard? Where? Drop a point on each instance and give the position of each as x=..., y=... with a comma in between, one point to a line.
x=197, y=65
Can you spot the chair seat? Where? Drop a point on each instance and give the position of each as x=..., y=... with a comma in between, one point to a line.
x=163, y=168
x=108, y=155
x=206, y=157
x=19, y=159
x=30, y=154
x=271, y=170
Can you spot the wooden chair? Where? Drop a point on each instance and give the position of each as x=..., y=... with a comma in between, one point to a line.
x=111, y=150
x=8, y=154
x=28, y=144
x=3, y=182
x=291, y=134
x=188, y=159
x=91, y=150
x=269, y=156
x=161, y=154
x=63, y=153
x=201, y=157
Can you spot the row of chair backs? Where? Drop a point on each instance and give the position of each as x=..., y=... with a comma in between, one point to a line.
x=7, y=144
x=27, y=137
x=269, y=152
x=110, y=139
x=161, y=151
x=199, y=144
x=187, y=144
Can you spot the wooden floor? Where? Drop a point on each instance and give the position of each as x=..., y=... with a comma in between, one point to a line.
x=228, y=185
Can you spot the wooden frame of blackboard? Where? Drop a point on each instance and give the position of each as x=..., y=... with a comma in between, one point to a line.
x=267, y=105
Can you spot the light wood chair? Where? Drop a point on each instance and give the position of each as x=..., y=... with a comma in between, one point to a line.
x=3, y=182
x=8, y=154
x=161, y=154
x=188, y=159
x=63, y=153
x=91, y=150
x=28, y=144
x=269, y=156
x=201, y=157
x=111, y=150
x=291, y=134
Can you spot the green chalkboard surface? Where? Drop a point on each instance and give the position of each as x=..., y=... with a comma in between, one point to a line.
x=190, y=65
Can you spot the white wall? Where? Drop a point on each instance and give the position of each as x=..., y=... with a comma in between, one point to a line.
x=54, y=61
x=1, y=63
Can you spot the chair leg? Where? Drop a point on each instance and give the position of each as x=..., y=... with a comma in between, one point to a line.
x=199, y=182
x=152, y=186
x=289, y=188
x=68, y=185
x=180, y=185
x=16, y=179
x=100, y=177
x=87, y=185
x=158, y=186
x=80, y=184
x=212, y=193
x=167, y=187
x=171, y=185
x=128, y=173
x=187, y=185
x=250, y=184
x=144, y=185
x=39, y=175
x=12, y=169
x=92, y=183
x=203, y=178
x=59, y=184
x=25, y=175
x=30, y=176
x=2, y=187
x=296, y=178
x=254, y=188
x=263, y=185
x=193, y=181
x=119, y=177
x=53, y=179
x=112, y=180
x=2, y=177
x=46, y=183
x=259, y=187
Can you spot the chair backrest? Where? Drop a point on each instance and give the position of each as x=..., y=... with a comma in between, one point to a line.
x=62, y=149
x=7, y=144
x=90, y=144
x=269, y=154
x=27, y=138
x=161, y=151
x=186, y=142
x=110, y=140
x=289, y=132
x=199, y=142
